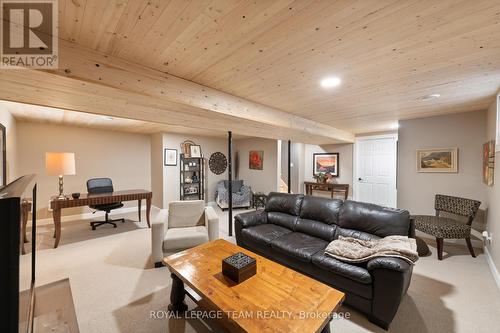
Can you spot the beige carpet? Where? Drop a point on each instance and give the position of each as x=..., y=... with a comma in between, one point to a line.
x=115, y=286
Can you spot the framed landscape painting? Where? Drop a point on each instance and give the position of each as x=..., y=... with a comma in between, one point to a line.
x=437, y=160
x=326, y=163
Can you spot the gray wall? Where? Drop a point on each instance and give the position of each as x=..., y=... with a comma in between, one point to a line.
x=157, y=170
x=466, y=131
x=171, y=174
x=121, y=156
x=265, y=180
x=345, y=162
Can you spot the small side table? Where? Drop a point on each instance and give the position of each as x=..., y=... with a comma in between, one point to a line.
x=259, y=199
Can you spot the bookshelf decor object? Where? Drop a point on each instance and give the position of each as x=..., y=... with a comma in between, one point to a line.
x=192, y=178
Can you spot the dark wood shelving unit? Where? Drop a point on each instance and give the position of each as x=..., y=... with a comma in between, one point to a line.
x=190, y=167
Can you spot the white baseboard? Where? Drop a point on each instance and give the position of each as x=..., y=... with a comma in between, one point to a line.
x=493, y=268
x=90, y=215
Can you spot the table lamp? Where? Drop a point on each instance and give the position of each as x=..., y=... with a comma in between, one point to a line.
x=60, y=164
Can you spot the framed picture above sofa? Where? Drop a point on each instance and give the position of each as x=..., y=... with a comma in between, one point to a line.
x=326, y=163
x=437, y=160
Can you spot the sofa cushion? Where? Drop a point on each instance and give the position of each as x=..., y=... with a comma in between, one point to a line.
x=355, y=234
x=183, y=238
x=282, y=219
x=284, y=203
x=264, y=233
x=183, y=214
x=316, y=229
x=299, y=245
x=320, y=209
x=347, y=270
x=374, y=219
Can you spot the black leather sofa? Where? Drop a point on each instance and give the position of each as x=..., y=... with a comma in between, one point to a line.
x=294, y=230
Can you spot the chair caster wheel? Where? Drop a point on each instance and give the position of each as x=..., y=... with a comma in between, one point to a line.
x=93, y=227
x=114, y=226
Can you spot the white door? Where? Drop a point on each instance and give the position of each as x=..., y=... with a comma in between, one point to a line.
x=375, y=165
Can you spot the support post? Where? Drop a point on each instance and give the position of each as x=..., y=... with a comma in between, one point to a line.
x=289, y=180
x=230, y=181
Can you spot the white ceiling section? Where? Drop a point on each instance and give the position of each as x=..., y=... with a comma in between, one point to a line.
x=255, y=66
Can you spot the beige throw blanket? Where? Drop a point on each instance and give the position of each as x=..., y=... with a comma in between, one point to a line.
x=356, y=250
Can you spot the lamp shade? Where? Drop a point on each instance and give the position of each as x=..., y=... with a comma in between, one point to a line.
x=60, y=164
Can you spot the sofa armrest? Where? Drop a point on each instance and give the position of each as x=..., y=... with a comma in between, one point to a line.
x=212, y=223
x=159, y=227
x=411, y=231
x=391, y=279
x=246, y=220
x=395, y=264
x=251, y=219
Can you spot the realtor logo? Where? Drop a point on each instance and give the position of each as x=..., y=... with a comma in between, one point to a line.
x=29, y=35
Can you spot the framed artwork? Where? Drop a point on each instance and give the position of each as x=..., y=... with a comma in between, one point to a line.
x=170, y=157
x=3, y=156
x=256, y=159
x=326, y=163
x=195, y=150
x=437, y=160
x=488, y=162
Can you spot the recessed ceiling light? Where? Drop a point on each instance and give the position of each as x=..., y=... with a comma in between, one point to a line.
x=107, y=118
x=330, y=82
x=430, y=97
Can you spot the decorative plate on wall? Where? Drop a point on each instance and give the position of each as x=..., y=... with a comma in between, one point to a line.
x=217, y=163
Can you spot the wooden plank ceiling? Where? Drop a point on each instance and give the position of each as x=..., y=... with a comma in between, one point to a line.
x=53, y=116
x=388, y=53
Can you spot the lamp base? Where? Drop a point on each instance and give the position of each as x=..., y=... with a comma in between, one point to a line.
x=61, y=195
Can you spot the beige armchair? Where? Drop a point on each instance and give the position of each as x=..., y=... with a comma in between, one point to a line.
x=185, y=224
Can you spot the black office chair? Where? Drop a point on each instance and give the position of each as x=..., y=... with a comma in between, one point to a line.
x=103, y=185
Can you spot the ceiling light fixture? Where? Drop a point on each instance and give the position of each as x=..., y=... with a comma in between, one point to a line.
x=430, y=97
x=330, y=82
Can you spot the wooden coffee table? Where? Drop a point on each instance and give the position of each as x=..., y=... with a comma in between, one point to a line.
x=276, y=299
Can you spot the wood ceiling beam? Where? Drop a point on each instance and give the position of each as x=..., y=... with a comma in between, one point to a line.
x=92, y=82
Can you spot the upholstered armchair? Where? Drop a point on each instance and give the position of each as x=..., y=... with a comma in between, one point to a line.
x=242, y=195
x=443, y=227
x=184, y=225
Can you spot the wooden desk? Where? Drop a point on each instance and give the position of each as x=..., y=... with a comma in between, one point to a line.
x=332, y=188
x=275, y=299
x=97, y=199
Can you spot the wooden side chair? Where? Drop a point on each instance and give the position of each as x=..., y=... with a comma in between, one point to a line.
x=446, y=227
